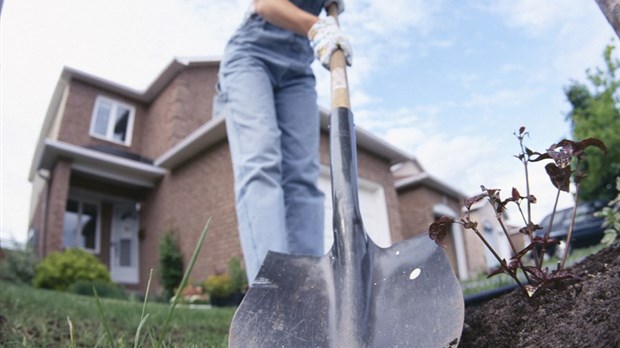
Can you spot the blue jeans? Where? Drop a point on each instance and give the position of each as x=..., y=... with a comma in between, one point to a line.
x=267, y=94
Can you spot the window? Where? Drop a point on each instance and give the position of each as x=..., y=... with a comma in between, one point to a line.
x=81, y=225
x=112, y=121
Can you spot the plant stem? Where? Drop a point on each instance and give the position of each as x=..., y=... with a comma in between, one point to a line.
x=188, y=271
x=106, y=326
x=499, y=259
x=570, y=229
x=548, y=232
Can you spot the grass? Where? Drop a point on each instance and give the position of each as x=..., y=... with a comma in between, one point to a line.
x=32, y=317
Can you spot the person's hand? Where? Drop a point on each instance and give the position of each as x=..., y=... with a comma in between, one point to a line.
x=340, y=4
x=325, y=38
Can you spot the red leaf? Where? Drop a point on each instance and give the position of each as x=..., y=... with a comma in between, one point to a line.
x=515, y=194
x=440, y=229
x=470, y=201
x=560, y=177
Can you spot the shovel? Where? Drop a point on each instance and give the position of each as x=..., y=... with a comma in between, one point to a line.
x=358, y=294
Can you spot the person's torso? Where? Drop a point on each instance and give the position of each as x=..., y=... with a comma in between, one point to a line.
x=258, y=37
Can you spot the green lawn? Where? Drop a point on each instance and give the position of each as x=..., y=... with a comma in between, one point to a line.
x=32, y=317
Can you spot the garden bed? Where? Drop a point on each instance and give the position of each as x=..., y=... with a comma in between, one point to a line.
x=583, y=312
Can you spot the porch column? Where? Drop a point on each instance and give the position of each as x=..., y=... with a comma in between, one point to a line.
x=57, y=201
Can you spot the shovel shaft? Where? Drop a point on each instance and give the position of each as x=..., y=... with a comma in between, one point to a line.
x=338, y=72
x=350, y=242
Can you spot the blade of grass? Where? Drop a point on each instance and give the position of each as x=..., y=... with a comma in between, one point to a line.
x=188, y=271
x=142, y=316
x=137, y=338
x=103, y=319
x=71, y=340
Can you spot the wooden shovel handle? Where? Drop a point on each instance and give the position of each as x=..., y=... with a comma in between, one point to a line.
x=338, y=71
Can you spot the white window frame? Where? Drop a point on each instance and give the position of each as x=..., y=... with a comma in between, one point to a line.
x=81, y=203
x=109, y=136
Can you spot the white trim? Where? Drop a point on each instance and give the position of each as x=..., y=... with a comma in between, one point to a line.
x=378, y=228
x=206, y=135
x=100, y=164
x=114, y=106
x=457, y=235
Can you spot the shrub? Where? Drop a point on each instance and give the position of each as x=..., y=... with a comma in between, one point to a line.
x=59, y=270
x=238, y=275
x=218, y=286
x=18, y=265
x=170, y=264
x=611, y=213
x=104, y=289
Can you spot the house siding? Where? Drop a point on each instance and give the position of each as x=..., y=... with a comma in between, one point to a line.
x=181, y=108
x=416, y=210
x=59, y=192
x=184, y=199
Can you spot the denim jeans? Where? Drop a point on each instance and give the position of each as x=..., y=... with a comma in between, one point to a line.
x=266, y=91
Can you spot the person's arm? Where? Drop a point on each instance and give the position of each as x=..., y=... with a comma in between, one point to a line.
x=286, y=15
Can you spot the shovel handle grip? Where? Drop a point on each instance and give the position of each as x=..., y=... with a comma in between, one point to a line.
x=338, y=71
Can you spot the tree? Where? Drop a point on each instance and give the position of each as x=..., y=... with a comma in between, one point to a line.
x=596, y=113
x=170, y=263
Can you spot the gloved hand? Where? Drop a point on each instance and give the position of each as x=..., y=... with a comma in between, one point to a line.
x=325, y=38
x=340, y=4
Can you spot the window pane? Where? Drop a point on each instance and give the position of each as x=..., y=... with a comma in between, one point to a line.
x=125, y=245
x=102, y=118
x=70, y=225
x=89, y=226
x=121, y=122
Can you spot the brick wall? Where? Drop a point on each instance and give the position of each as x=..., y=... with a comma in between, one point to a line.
x=183, y=202
x=77, y=118
x=59, y=191
x=182, y=107
x=416, y=210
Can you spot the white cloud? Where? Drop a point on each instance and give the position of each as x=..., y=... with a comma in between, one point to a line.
x=538, y=17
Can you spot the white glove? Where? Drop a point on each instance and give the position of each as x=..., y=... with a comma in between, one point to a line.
x=340, y=4
x=325, y=38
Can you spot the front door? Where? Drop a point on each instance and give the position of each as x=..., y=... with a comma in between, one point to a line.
x=124, y=244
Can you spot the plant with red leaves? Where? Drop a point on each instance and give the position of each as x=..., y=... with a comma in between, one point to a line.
x=565, y=157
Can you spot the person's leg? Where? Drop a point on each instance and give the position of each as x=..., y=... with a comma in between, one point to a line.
x=254, y=140
x=298, y=119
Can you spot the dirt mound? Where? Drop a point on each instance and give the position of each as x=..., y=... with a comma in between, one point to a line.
x=584, y=312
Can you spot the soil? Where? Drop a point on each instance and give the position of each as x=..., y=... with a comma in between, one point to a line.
x=583, y=312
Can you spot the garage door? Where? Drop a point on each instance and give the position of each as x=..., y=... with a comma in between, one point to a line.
x=372, y=207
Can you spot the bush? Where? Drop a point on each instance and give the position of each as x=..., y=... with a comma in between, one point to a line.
x=18, y=265
x=59, y=270
x=218, y=286
x=104, y=289
x=170, y=264
x=239, y=278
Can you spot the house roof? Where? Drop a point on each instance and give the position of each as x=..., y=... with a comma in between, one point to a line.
x=214, y=131
x=428, y=180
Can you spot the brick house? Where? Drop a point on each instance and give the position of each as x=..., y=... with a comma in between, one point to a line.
x=115, y=168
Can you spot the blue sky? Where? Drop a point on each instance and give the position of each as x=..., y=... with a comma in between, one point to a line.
x=446, y=81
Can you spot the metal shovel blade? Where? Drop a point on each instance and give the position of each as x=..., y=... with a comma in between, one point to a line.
x=358, y=294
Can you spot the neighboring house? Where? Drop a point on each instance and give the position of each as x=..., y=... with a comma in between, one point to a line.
x=484, y=214
x=115, y=168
